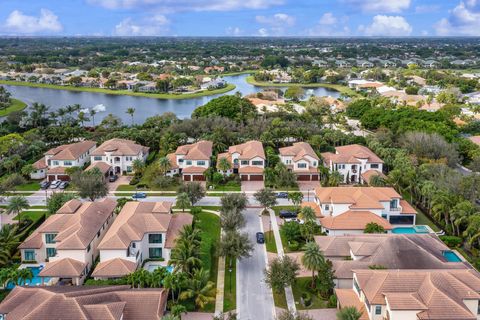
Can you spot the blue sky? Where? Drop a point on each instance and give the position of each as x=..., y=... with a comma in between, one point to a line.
x=240, y=17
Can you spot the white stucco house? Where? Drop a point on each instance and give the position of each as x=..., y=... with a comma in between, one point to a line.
x=302, y=160
x=191, y=160
x=246, y=159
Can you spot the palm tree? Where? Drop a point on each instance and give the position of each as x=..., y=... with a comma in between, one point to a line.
x=200, y=289
x=459, y=215
x=157, y=277
x=165, y=165
x=334, y=179
x=9, y=240
x=174, y=282
x=189, y=234
x=23, y=275
x=313, y=259
x=7, y=275
x=92, y=114
x=82, y=117
x=16, y=205
x=185, y=256
x=138, y=166
x=224, y=165
x=307, y=214
x=131, y=112
x=183, y=201
x=349, y=313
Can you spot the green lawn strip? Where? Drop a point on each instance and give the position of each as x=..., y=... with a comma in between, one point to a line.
x=230, y=292
x=203, y=93
x=226, y=188
x=32, y=215
x=277, y=209
x=152, y=194
x=16, y=105
x=128, y=187
x=237, y=73
x=280, y=300
x=284, y=242
x=300, y=287
x=270, y=242
x=213, y=208
x=30, y=186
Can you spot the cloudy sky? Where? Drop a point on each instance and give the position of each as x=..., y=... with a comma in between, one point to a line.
x=240, y=17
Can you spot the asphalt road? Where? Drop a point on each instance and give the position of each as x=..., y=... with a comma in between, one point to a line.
x=254, y=298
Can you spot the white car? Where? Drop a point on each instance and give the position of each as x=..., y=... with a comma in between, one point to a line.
x=55, y=184
x=300, y=221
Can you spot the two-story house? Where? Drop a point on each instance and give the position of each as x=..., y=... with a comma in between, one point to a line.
x=413, y=294
x=302, y=160
x=246, y=159
x=354, y=162
x=68, y=240
x=191, y=160
x=142, y=230
x=347, y=210
x=120, y=154
x=56, y=160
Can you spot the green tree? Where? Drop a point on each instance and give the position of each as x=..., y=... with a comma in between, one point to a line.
x=164, y=164
x=235, y=245
x=296, y=198
x=57, y=200
x=227, y=106
x=16, y=205
x=234, y=202
x=281, y=273
x=313, y=259
x=307, y=214
x=183, y=201
x=194, y=190
x=200, y=289
x=349, y=313
x=138, y=166
x=90, y=184
x=294, y=93
x=131, y=112
x=266, y=197
x=224, y=165
x=9, y=240
x=373, y=227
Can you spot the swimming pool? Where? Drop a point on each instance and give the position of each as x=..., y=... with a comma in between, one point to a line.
x=411, y=230
x=451, y=256
x=152, y=267
x=36, y=280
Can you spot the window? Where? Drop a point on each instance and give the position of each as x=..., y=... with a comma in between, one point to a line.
x=154, y=238
x=97, y=158
x=180, y=160
x=314, y=163
x=55, y=163
x=29, y=255
x=98, y=233
x=67, y=163
x=302, y=165
x=257, y=163
x=327, y=207
x=188, y=162
x=200, y=163
x=378, y=309
x=355, y=284
x=341, y=166
x=88, y=248
x=51, y=252
x=50, y=237
x=393, y=204
x=244, y=162
x=374, y=165
x=129, y=169
x=155, y=252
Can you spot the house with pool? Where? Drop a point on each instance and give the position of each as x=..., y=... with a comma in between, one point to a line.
x=347, y=210
x=387, y=251
x=143, y=232
x=413, y=294
x=65, y=245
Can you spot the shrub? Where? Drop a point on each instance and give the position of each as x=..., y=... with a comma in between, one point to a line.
x=294, y=245
x=134, y=180
x=164, y=182
x=332, y=301
x=195, y=211
x=307, y=299
x=451, y=241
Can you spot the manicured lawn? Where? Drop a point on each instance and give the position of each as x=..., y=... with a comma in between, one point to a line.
x=284, y=242
x=128, y=187
x=270, y=242
x=300, y=287
x=277, y=209
x=213, y=208
x=30, y=186
x=32, y=215
x=230, y=292
x=16, y=105
x=203, y=93
x=280, y=300
x=229, y=186
x=423, y=219
x=157, y=194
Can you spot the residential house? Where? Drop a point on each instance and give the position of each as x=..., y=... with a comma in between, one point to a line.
x=413, y=294
x=120, y=154
x=342, y=64
x=348, y=210
x=388, y=251
x=364, y=64
x=353, y=162
x=191, y=160
x=302, y=160
x=56, y=160
x=364, y=85
x=86, y=302
x=431, y=64
x=142, y=230
x=475, y=139
x=246, y=159
x=213, y=84
x=68, y=240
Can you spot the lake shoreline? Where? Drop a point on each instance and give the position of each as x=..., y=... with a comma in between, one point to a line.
x=162, y=96
x=15, y=106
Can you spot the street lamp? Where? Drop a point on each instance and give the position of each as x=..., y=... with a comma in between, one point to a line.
x=230, y=271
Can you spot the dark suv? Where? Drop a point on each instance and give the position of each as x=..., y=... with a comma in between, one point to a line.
x=260, y=237
x=287, y=214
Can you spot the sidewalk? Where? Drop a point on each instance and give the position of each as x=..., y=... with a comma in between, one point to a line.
x=220, y=286
x=281, y=253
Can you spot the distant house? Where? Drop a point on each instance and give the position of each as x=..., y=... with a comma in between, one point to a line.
x=213, y=84
x=320, y=63
x=348, y=210
x=431, y=64
x=342, y=64
x=352, y=162
x=364, y=64
x=120, y=154
x=191, y=160
x=213, y=69
x=86, y=302
x=364, y=85
x=68, y=240
x=246, y=159
x=142, y=231
x=302, y=160
x=52, y=166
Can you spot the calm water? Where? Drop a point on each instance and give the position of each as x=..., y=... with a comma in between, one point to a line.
x=145, y=107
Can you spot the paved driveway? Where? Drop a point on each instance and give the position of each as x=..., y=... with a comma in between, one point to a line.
x=112, y=186
x=254, y=298
x=308, y=185
x=252, y=186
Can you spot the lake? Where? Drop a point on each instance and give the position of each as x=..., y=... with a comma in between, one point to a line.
x=145, y=107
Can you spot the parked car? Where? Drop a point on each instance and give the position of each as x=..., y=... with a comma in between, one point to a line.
x=287, y=214
x=63, y=185
x=300, y=221
x=55, y=184
x=44, y=184
x=282, y=195
x=139, y=195
x=260, y=237
x=113, y=178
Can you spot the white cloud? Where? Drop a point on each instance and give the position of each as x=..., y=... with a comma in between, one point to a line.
x=463, y=20
x=379, y=6
x=188, y=5
x=278, y=19
x=46, y=22
x=234, y=31
x=327, y=19
x=153, y=26
x=262, y=32
x=329, y=26
x=391, y=26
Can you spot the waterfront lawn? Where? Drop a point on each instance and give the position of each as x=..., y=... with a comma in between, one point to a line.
x=301, y=286
x=230, y=292
x=15, y=106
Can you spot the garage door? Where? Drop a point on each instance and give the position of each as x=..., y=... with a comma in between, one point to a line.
x=198, y=177
x=51, y=178
x=256, y=177
x=244, y=177
x=303, y=177
x=187, y=177
x=315, y=177
x=63, y=177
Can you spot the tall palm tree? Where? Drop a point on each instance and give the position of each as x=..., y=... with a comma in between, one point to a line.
x=185, y=257
x=313, y=259
x=131, y=112
x=138, y=166
x=82, y=117
x=307, y=214
x=165, y=165
x=16, y=205
x=92, y=114
x=334, y=179
x=183, y=201
x=174, y=282
x=23, y=275
x=349, y=313
x=200, y=289
x=9, y=240
x=189, y=234
x=157, y=277
x=224, y=165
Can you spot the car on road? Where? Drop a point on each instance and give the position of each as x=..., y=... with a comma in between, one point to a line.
x=287, y=214
x=63, y=185
x=55, y=184
x=282, y=195
x=260, y=237
x=139, y=195
x=44, y=185
x=113, y=178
